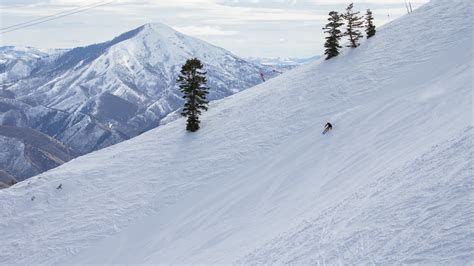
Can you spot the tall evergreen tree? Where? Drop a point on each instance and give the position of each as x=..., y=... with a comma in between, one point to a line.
x=353, y=25
x=369, y=24
x=192, y=83
x=333, y=30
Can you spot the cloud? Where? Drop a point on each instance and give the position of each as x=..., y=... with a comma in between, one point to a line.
x=205, y=31
x=20, y=2
x=246, y=27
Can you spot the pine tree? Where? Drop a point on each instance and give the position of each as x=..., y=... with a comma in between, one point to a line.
x=332, y=41
x=353, y=25
x=192, y=83
x=370, y=27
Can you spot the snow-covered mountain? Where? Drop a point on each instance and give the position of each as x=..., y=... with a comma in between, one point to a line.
x=91, y=97
x=18, y=63
x=258, y=183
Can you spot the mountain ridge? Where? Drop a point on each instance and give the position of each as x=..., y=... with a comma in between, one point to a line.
x=94, y=96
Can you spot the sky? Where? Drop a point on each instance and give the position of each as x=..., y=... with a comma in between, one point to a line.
x=248, y=28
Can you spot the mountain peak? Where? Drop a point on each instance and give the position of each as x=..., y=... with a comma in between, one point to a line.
x=115, y=89
x=157, y=28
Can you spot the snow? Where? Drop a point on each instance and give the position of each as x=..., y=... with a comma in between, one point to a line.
x=431, y=192
x=258, y=183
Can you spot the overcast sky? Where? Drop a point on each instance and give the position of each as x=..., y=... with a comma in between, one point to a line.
x=248, y=28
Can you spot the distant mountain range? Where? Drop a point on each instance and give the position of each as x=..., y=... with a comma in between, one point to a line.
x=283, y=61
x=282, y=64
x=88, y=98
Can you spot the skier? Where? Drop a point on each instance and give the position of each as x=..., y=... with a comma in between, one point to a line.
x=327, y=127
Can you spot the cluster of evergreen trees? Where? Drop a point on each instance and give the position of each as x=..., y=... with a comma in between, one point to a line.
x=353, y=23
x=192, y=79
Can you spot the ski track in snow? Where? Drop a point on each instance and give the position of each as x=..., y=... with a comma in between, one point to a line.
x=390, y=184
x=429, y=199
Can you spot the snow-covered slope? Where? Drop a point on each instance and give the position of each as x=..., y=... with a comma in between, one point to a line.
x=392, y=183
x=95, y=96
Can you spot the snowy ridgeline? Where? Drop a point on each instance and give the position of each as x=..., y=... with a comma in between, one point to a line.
x=92, y=97
x=391, y=183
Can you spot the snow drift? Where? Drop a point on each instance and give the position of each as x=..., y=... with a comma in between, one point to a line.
x=392, y=183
